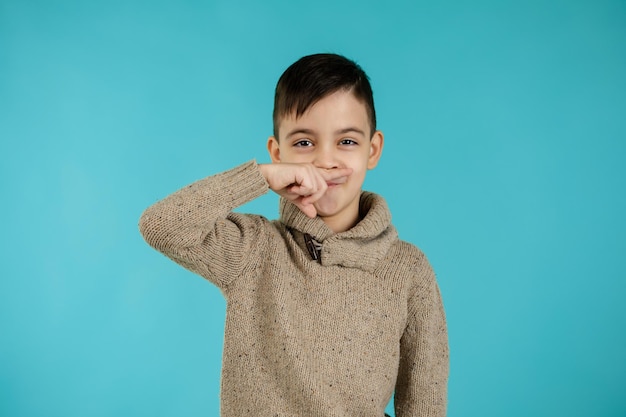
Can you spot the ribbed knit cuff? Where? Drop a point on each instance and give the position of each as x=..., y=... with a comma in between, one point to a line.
x=242, y=184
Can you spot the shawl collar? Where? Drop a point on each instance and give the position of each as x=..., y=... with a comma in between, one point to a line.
x=362, y=246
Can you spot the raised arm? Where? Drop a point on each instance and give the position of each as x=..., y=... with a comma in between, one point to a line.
x=196, y=228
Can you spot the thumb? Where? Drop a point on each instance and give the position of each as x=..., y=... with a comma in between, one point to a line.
x=308, y=209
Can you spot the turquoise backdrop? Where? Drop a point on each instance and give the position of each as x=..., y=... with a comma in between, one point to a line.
x=505, y=161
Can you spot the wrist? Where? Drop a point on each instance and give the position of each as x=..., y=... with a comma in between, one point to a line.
x=264, y=169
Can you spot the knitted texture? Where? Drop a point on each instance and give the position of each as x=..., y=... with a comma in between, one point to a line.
x=332, y=337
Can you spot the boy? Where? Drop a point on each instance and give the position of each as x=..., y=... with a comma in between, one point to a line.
x=327, y=310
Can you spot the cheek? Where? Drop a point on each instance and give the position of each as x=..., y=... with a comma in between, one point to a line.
x=300, y=159
x=358, y=165
x=288, y=155
x=358, y=173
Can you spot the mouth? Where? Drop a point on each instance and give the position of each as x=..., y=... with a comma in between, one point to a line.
x=336, y=183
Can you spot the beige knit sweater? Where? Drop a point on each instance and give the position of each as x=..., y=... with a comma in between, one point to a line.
x=332, y=337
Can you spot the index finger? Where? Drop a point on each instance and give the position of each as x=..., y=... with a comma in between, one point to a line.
x=334, y=173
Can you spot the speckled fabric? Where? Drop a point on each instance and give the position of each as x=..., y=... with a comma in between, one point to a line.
x=328, y=337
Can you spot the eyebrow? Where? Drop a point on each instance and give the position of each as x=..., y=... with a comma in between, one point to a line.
x=350, y=130
x=338, y=132
x=300, y=131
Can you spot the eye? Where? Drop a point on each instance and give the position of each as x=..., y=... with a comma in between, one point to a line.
x=303, y=143
x=348, y=141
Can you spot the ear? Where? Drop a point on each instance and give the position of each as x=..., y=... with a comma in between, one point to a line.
x=376, y=149
x=274, y=149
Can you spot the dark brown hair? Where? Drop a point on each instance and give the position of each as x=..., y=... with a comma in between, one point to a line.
x=313, y=77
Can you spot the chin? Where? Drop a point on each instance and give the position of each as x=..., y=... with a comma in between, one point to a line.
x=326, y=209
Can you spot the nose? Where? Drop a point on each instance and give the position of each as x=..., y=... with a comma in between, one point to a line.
x=325, y=158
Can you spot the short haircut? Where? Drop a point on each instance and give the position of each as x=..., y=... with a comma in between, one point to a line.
x=313, y=77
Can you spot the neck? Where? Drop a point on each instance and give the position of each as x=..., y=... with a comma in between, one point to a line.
x=340, y=224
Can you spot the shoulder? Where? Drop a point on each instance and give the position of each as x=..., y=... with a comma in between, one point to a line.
x=411, y=266
x=407, y=269
x=408, y=258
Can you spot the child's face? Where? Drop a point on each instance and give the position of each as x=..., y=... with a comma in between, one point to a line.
x=333, y=133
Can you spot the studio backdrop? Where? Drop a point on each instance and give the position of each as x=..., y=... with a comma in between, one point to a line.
x=504, y=161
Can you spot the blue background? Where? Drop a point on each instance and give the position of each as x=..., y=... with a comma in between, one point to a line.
x=505, y=128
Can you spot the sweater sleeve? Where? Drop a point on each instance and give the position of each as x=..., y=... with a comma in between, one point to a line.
x=421, y=387
x=196, y=228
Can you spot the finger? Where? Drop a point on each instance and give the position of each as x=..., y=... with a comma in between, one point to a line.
x=308, y=209
x=322, y=186
x=335, y=173
x=307, y=181
x=300, y=190
x=299, y=202
x=313, y=185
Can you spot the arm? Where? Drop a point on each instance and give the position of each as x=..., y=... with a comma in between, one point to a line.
x=195, y=227
x=421, y=388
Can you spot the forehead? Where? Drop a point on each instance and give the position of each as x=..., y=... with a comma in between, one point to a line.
x=334, y=111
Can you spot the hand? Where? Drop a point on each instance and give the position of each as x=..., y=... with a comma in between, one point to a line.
x=302, y=184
